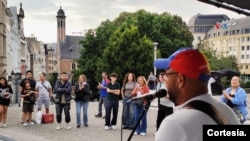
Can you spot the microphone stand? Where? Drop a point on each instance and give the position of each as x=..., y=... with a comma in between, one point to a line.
x=145, y=109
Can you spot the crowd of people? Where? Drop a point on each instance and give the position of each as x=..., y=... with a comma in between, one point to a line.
x=187, y=86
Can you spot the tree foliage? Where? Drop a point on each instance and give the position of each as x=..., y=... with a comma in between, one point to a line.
x=125, y=44
x=219, y=61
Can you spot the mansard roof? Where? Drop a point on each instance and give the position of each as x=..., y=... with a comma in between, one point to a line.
x=200, y=19
x=230, y=27
x=70, y=49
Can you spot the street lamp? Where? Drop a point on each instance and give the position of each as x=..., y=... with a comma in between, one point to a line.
x=155, y=51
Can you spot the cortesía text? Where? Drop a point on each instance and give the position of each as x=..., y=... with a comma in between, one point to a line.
x=241, y=132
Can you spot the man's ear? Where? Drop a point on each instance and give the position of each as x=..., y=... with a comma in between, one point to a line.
x=181, y=80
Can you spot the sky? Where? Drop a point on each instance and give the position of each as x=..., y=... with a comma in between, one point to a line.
x=40, y=15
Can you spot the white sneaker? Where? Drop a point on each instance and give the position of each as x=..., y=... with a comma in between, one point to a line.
x=68, y=127
x=1, y=125
x=143, y=134
x=5, y=126
x=25, y=124
x=32, y=123
x=113, y=127
x=59, y=127
x=106, y=127
x=135, y=133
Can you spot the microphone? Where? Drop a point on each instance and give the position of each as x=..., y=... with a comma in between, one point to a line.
x=150, y=96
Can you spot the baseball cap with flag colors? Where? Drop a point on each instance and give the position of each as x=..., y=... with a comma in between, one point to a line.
x=187, y=61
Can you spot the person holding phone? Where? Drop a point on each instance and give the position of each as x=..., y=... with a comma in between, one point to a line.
x=103, y=94
x=82, y=100
x=28, y=105
x=6, y=92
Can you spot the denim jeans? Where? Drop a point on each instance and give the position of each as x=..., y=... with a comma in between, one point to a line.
x=112, y=106
x=128, y=118
x=63, y=107
x=82, y=105
x=102, y=100
x=142, y=126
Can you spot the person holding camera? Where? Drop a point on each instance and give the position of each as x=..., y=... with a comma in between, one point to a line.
x=82, y=100
x=6, y=92
x=29, y=98
x=141, y=89
x=28, y=76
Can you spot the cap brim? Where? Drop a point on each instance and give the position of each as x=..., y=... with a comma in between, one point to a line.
x=162, y=63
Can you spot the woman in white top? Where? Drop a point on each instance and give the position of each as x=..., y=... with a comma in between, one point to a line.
x=165, y=106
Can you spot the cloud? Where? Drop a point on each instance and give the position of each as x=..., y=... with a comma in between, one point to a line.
x=85, y=14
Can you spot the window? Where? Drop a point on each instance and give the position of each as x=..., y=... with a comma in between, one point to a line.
x=247, y=56
x=242, y=56
x=247, y=30
x=242, y=39
x=248, y=39
x=247, y=47
x=242, y=47
x=238, y=31
x=73, y=67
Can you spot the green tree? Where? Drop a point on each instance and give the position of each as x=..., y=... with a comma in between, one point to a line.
x=219, y=61
x=127, y=52
x=52, y=78
x=170, y=31
x=125, y=44
x=93, y=46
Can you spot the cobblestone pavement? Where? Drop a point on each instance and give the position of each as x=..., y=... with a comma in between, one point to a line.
x=95, y=131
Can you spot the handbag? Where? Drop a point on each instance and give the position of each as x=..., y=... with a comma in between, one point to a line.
x=55, y=99
x=238, y=113
x=48, y=118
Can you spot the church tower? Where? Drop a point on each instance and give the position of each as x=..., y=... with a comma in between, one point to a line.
x=61, y=25
x=61, y=37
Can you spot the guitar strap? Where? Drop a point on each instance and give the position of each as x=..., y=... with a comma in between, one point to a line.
x=208, y=109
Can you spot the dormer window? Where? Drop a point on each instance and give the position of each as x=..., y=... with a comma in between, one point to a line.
x=70, y=49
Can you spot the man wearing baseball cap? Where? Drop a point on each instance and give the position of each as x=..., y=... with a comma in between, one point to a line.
x=188, y=72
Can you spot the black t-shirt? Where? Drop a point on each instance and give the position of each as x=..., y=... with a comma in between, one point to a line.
x=3, y=88
x=229, y=103
x=112, y=96
x=32, y=83
x=27, y=98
